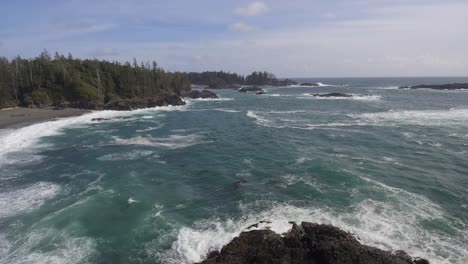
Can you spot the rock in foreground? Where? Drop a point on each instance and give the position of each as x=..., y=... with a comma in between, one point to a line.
x=308, y=243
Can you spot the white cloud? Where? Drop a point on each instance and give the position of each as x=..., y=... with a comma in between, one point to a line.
x=242, y=27
x=253, y=9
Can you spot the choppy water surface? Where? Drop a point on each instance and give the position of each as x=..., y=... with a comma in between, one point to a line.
x=156, y=185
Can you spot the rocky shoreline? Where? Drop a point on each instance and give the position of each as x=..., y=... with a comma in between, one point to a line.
x=304, y=243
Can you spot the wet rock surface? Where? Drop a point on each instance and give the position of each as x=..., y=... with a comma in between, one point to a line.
x=333, y=95
x=305, y=243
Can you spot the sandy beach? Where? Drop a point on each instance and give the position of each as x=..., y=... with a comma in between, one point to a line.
x=19, y=117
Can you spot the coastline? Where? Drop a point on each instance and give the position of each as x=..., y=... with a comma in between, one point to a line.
x=18, y=117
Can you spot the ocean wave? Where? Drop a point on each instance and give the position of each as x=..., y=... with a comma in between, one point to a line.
x=132, y=155
x=21, y=201
x=391, y=224
x=417, y=117
x=171, y=142
x=27, y=138
x=226, y=110
x=260, y=120
x=208, y=99
x=333, y=85
x=159, y=126
x=274, y=119
x=30, y=248
x=357, y=97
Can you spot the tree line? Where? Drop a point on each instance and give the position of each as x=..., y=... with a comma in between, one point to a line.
x=221, y=79
x=45, y=80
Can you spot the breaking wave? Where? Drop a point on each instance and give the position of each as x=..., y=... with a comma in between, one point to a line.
x=171, y=142
x=391, y=225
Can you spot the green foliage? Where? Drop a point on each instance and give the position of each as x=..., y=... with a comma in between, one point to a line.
x=40, y=97
x=222, y=79
x=45, y=80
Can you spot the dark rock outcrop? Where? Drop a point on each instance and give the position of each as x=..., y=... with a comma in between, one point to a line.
x=309, y=84
x=233, y=86
x=333, y=95
x=205, y=94
x=89, y=105
x=137, y=103
x=452, y=86
x=250, y=89
x=306, y=243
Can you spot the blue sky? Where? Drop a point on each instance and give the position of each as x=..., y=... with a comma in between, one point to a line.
x=295, y=38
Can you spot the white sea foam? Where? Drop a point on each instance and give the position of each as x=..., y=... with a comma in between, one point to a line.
x=171, y=142
x=150, y=128
x=417, y=117
x=21, y=201
x=209, y=99
x=131, y=200
x=29, y=248
x=390, y=225
x=131, y=155
x=260, y=120
x=291, y=179
x=356, y=97
x=28, y=137
x=220, y=110
x=336, y=85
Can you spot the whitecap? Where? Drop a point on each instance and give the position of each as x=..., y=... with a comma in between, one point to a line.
x=15, y=202
x=65, y=249
x=357, y=97
x=417, y=117
x=131, y=200
x=131, y=155
x=171, y=142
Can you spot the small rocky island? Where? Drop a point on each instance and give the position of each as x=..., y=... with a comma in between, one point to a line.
x=333, y=95
x=309, y=84
x=451, y=86
x=250, y=89
x=305, y=243
x=195, y=94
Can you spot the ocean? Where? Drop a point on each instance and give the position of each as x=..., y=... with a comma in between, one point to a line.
x=168, y=184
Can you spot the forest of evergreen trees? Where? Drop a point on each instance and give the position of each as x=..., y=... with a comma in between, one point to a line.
x=223, y=79
x=45, y=80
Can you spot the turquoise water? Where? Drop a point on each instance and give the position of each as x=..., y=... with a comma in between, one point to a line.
x=157, y=185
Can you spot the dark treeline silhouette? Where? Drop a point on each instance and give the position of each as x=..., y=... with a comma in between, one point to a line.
x=46, y=80
x=222, y=79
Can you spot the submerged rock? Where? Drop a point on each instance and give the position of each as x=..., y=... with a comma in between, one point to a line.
x=205, y=94
x=239, y=184
x=260, y=92
x=250, y=89
x=333, y=95
x=305, y=243
x=451, y=86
